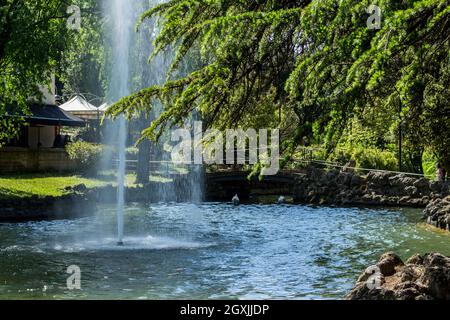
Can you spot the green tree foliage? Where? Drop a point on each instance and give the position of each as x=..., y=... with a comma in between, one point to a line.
x=82, y=67
x=398, y=68
x=35, y=44
x=246, y=54
x=317, y=60
x=32, y=37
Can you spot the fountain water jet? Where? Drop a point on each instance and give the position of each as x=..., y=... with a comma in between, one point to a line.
x=121, y=179
x=120, y=14
x=127, y=53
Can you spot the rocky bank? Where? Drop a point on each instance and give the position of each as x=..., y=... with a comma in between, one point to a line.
x=311, y=186
x=46, y=208
x=419, y=278
x=318, y=186
x=375, y=188
x=80, y=201
x=437, y=213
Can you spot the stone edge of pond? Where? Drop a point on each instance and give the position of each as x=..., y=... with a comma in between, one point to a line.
x=315, y=186
x=424, y=277
x=373, y=189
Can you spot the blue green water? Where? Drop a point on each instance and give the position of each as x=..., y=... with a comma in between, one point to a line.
x=208, y=251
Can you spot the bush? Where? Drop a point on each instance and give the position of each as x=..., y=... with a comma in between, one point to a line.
x=85, y=154
x=373, y=158
x=366, y=157
x=429, y=162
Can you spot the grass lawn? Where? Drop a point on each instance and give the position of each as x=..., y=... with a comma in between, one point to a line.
x=49, y=184
x=26, y=185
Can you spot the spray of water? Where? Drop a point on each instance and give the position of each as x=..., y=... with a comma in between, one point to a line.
x=120, y=19
x=129, y=72
x=121, y=179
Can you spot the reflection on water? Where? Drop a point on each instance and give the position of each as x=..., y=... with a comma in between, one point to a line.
x=212, y=250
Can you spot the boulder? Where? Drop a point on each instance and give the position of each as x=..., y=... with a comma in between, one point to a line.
x=388, y=263
x=415, y=259
x=436, y=186
x=436, y=276
x=437, y=213
x=331, y=175
x=412, y=191
x=357, y=181
x=422, y=184
x=380, y=179
x=421, y=278
x=401, y=181
x=404, y=201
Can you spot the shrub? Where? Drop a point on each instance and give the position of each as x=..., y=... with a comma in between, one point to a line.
x=366, y=157
x=429, y=162
x=373, y=158
x=85, y=154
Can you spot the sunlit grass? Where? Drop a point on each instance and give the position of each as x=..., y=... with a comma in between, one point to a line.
x=50, y=184
x=42, y=185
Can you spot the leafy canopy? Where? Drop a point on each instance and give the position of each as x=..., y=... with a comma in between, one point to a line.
x=316, y=60
x=33, y=39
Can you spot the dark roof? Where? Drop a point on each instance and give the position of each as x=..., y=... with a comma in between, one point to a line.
x=49, y=115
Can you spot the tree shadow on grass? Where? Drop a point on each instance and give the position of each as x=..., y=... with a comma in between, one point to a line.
x=12, y=194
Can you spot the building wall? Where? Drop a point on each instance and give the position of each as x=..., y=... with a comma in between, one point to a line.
x=26, y=160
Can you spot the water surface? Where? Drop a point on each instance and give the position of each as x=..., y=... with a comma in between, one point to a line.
x=208, y=251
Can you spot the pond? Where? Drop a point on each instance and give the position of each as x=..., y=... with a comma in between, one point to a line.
x=208, y=251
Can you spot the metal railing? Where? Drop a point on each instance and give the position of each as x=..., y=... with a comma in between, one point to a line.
x=306, y=157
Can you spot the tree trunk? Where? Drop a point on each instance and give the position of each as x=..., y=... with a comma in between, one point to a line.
x=143, y=164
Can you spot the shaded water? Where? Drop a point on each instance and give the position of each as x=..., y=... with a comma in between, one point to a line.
x=211, y=250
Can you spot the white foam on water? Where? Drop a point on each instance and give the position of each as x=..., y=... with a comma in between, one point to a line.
x=132, y=243
x=22, y=248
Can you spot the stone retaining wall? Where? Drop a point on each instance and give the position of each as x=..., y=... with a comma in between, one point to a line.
x=315, y=186
x=375, y=188
x=49, y=208
x=437, y=213
x=28, y=160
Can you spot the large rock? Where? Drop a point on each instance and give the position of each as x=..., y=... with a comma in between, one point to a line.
x=400, y=181
x=388, y=263
x=421, y=278
x=437, y=213
x=380, y=179
x=436, y=186
x=423, y=185
x=412, y=191
x=357, y=181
